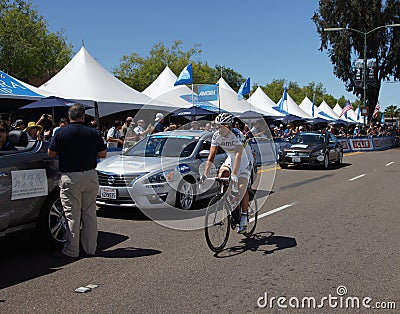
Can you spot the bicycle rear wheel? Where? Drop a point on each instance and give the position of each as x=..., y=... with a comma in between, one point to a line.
x=252, y=214
x=217, y=224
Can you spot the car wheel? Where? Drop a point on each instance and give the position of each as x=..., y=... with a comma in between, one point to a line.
x=326, y=162
x=52, y=223
x=283, y=166
x=340, y=159
x=185, y=196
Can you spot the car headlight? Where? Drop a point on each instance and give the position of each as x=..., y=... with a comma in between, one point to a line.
x=318, y=152
x=161, y=177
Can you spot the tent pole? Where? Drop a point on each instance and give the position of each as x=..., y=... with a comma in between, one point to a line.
x=96, y=113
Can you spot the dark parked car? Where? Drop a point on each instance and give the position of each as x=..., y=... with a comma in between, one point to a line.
x=29, y=194
x=311, y=148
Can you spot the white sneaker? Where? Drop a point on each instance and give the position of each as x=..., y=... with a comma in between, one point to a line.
x=243, y=224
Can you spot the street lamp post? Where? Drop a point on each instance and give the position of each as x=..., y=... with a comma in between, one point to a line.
x=334, y=29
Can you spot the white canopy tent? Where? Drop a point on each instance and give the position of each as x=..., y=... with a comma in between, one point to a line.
x=349, y=115
x=324, y=107
x=162, y=90
x=83, y=79
x=228, y=99
x=260, y=101
x=307, y=106
x=290, y=106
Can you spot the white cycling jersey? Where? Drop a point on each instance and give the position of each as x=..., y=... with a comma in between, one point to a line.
x=228, y=144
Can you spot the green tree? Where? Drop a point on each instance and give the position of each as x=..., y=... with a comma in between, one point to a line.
x=345, y=46
x=139, y=72
x=28, y=50
x=392, y=111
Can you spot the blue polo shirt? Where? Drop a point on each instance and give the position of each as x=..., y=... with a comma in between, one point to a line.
x=77, y=147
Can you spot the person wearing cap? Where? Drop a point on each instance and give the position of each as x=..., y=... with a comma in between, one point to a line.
x=158, y=126
x=34, y=130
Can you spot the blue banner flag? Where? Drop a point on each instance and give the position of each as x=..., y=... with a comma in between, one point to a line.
x=186, y=76
x=11, y=87
x=284, y=97
x=207, y=92
x=383, y=118
x=244, y=89
x=358, y=113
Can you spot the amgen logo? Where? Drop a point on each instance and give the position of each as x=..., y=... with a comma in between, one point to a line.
x=207, y=93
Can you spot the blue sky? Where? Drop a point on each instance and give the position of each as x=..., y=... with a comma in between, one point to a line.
x=261, y=39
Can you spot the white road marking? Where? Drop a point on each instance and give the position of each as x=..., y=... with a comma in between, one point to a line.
x=358, y=177
x=272, y=211
x=389, y=163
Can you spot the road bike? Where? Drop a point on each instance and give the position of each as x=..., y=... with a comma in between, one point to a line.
x=223, y=214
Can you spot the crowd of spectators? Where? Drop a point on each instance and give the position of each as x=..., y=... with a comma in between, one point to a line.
x=123, y=134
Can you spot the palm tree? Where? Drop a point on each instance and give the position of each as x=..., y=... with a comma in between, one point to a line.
x=392, y=111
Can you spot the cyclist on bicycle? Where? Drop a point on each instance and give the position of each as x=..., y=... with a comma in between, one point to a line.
x=238, y=163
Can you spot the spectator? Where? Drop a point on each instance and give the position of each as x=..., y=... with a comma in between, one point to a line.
x=128, y=124
x=46, y=121
x=63, y=123
x=195, y=125
x=140, y=130
x=246, y=132
x=158, y=126
x=6, y=117
x=4, y=142
x=207, y=127
x=34, y=130
x=19, y=124
x=78, y=148
x=114, y=139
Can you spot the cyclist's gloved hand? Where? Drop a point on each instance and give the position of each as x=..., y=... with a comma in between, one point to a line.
x=235, y=184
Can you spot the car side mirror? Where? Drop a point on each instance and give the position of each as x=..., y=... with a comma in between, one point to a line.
x=204, y=153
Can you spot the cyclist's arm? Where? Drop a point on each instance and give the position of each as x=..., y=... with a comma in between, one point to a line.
x=238, y=159
x=210, y=159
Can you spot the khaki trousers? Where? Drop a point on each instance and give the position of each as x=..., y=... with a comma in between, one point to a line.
x=78, y=191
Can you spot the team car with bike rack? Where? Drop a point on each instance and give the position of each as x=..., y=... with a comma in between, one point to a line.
x=161, y=170
x=311, y=148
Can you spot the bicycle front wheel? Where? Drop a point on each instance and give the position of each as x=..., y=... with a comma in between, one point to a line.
x=217, y=224
x=252, y=214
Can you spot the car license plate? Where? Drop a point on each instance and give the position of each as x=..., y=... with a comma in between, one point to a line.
x=108, y=193
x=296, y=159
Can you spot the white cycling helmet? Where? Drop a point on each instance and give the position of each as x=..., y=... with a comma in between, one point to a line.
x=224, y=118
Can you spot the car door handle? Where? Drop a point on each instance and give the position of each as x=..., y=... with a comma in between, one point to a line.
x=3, y=174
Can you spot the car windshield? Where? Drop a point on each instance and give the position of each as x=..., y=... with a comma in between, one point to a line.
x=308, y=139
x=166, y=146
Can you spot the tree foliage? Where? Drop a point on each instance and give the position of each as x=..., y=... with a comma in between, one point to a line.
x=345, y=46
x=139, y=72
x=392, y=112
x=28, y=50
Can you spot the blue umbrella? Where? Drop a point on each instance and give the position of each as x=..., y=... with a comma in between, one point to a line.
x=192, y=111
x=51, y=102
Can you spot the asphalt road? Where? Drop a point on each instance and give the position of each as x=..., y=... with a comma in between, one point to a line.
x=326, y=235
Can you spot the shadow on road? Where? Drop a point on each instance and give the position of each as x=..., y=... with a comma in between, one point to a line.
x=25, y=257
x=265, y=242
x=316, y=168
